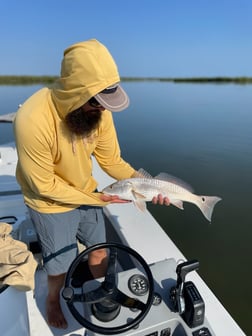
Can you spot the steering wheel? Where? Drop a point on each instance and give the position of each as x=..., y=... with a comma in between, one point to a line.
x=107, y=299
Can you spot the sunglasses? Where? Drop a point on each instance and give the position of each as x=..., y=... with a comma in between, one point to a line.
x=94, y=103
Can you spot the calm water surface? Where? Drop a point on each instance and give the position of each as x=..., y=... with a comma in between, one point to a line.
x=202, y=134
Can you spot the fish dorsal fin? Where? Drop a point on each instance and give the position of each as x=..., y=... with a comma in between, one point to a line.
x=144, y=174
x=173, y=179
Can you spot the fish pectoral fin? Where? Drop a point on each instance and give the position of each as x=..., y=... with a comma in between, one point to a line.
x=178, y=204
x=141, y=205
x=139, y=200
x=137, y=195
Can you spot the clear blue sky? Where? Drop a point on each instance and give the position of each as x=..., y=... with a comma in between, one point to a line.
x=164, y=38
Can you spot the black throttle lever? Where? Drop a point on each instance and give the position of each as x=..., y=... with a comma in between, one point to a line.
x=185, y=296
x=177, y=292
x=184, y=268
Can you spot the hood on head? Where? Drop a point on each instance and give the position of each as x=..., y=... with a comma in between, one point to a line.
x=87, y=68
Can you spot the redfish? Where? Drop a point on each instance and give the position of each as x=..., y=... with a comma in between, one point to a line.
x=142, y=189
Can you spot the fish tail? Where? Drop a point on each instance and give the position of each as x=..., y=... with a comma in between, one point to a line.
x=207, y=204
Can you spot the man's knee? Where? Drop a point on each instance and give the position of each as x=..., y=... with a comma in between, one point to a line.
x=98, y=255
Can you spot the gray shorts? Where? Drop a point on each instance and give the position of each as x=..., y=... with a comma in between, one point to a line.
x=57, y=234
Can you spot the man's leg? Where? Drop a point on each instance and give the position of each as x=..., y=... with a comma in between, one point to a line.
x=92, y=231
x=97, y=262
x=55, y=316
x=57, y=237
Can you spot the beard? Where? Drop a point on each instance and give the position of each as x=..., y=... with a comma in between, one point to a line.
x=83, y=123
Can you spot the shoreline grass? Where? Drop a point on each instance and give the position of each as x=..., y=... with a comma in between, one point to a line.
x=30, y=80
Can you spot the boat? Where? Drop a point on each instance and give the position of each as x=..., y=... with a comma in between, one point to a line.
x=150, y=288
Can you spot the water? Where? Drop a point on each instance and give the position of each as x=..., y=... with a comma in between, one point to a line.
x=202, y=134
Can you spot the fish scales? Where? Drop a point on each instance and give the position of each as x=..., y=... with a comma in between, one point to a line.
x=154, y=185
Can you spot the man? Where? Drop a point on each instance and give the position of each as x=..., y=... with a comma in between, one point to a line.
x=57, y=130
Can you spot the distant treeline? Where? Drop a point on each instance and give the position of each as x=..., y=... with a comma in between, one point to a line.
x=220, y=80
x=29, y=80
x=26, y=80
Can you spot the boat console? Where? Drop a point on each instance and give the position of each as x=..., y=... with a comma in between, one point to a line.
x=134, y=298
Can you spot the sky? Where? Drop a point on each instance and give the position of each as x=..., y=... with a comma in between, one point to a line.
x=147, y=38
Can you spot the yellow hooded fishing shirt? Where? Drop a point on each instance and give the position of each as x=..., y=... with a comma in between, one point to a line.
x=54, y=167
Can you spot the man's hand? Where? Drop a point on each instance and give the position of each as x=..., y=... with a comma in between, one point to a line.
x=159, y=199
x=112, y=199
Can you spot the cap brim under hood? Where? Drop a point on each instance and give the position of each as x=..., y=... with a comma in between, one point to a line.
x=113, y=98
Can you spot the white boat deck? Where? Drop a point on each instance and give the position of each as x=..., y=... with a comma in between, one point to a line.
x=7, y=117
